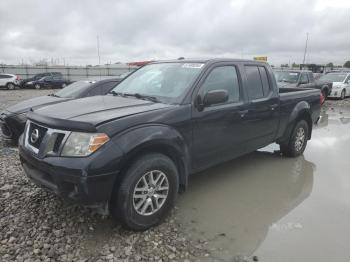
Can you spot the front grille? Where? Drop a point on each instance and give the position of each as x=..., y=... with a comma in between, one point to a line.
x=44, y=141
x=36, y=135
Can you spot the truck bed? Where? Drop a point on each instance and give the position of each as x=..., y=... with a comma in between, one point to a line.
x=291, y=98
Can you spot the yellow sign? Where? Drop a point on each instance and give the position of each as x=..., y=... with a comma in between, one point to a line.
x=261, y=58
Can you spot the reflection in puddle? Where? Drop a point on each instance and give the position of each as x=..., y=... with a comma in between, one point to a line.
x=233, y=206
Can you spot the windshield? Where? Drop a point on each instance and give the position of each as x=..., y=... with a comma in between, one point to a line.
x=334, y=77
x=75, y=89
x=285, y=76
x=165, y=81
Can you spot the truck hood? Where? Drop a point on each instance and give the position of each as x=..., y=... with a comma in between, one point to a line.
x=284, y=84
x=35, y=103
x=98, y=109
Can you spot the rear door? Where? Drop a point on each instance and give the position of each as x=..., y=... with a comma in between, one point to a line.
x=217, y=129
x=262, y=119
x=2, y=80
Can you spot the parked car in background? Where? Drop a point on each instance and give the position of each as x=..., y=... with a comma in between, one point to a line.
x=13, y=119
x=133, y=150
x=37, y=77
x=302, y=79
x=9, y=81
x=54, y=81
x=341, y=84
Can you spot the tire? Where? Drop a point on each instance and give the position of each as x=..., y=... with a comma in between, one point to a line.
x=10, y=86
x=64, y=85
x=37, y=86
x=298, y=140
x=325, y=93
x=129, y=210
x=343, y=94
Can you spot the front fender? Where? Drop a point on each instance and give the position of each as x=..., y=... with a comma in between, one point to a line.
x=156, y=137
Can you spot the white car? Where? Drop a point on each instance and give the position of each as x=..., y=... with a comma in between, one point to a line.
x=341, y=84
x=9, y=81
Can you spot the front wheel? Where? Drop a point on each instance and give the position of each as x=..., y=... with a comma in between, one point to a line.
x=146, y=193
x=37, y=86
x=298, y=140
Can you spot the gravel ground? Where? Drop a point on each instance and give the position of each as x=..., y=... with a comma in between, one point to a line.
x=38, y=226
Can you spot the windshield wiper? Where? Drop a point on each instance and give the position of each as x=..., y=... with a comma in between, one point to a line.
x=144, y=97
x=116, y=93
x=136, y=95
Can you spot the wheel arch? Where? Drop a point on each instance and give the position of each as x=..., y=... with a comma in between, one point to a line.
x=301, y=111
x=155, y=139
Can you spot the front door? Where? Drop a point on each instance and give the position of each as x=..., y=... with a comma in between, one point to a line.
x=217, y=129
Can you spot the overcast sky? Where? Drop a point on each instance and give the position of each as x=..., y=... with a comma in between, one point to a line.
x=133, y=30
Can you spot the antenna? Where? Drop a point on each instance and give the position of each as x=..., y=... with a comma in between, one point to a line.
x=307, y=38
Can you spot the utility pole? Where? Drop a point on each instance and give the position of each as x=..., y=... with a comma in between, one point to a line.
x=98, y=50
x=307, y=39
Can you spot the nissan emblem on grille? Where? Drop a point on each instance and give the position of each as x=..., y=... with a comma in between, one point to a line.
x=34, y=136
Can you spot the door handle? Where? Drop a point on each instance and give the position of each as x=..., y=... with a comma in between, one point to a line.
x=242, y=113
x=273, y=107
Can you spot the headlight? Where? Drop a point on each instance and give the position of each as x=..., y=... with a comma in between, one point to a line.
x=83, y=144
x=30, y=82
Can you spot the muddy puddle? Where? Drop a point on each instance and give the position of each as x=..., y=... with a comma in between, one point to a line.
x=267, y=207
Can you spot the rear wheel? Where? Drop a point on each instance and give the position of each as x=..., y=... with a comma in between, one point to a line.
x=10, y=86
x=298, y=140
x=37, y=86
x=146, y=193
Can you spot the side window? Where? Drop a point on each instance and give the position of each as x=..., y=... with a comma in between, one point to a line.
x=265, y=81
x=311, y=77
x=5, y=76
x=255, y=86
x=223, y=77
x=304, y=79
x=1, y=76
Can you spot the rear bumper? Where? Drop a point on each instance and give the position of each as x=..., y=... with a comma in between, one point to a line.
x=69, y=178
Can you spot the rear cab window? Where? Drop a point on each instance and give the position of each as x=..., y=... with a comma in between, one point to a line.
x=258, y=82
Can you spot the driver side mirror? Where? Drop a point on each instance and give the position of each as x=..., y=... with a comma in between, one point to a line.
x=215, y=97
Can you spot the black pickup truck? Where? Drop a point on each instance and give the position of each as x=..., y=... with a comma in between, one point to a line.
x=135, y=148
x=302, y=79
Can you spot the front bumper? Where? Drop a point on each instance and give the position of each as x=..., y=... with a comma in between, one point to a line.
x=335, y=93
x=85, y=180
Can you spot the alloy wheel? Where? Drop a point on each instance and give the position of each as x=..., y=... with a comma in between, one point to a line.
x=299, y=139
x=150, y=193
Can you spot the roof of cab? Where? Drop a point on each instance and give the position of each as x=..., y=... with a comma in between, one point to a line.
x=207, y=61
